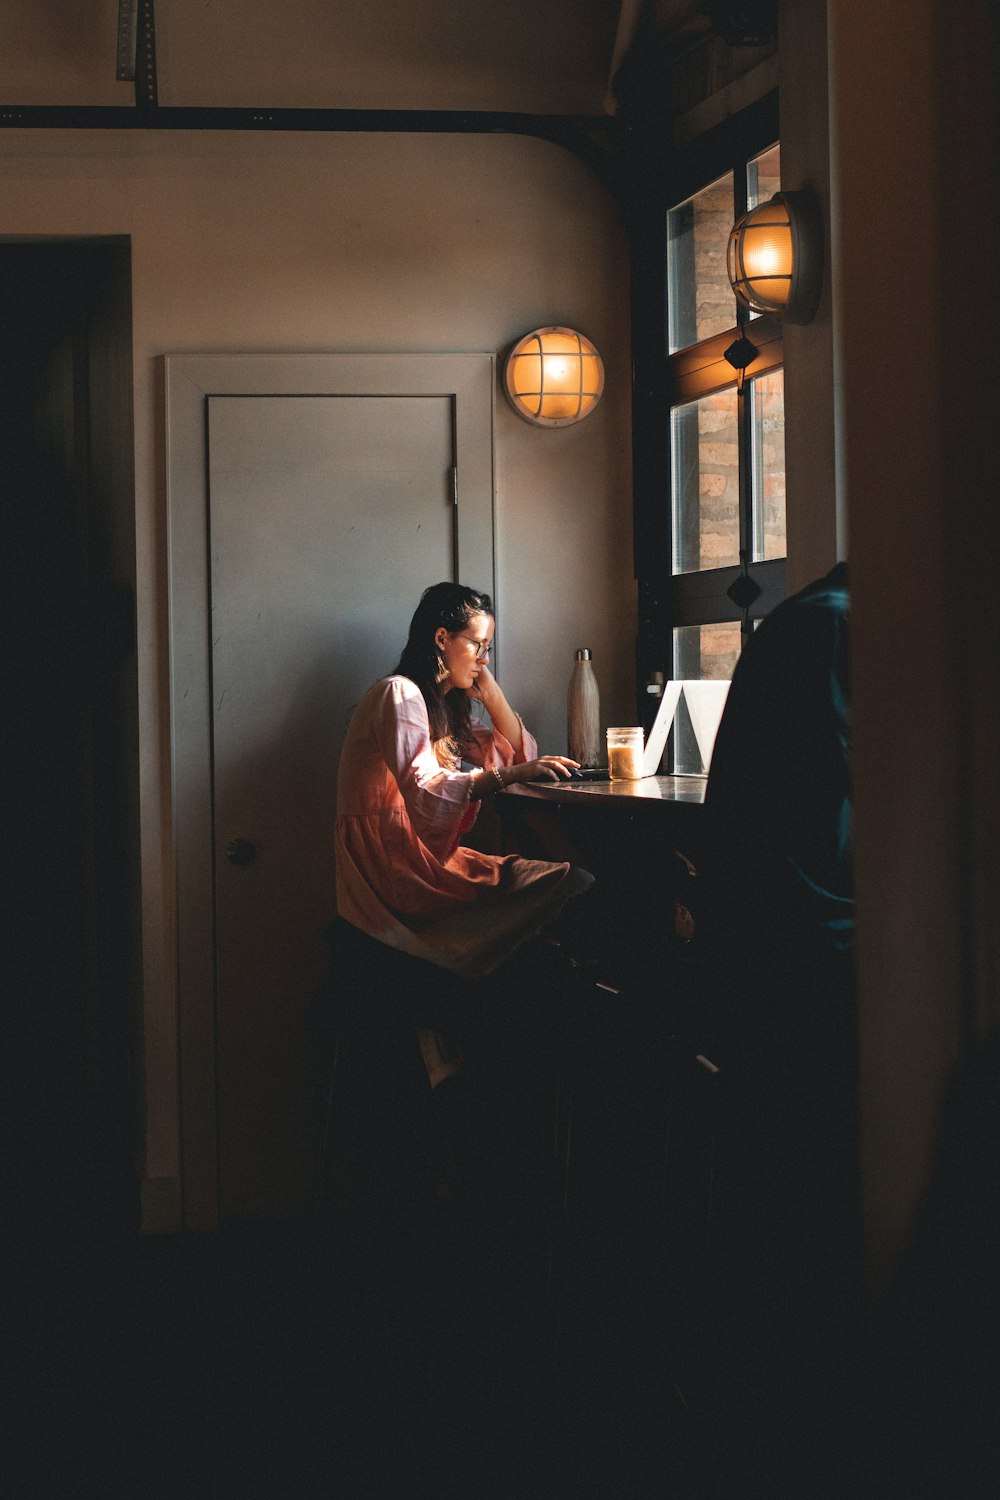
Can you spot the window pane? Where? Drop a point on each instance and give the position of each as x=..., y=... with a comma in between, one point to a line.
x=767, y=426
x=700, y=300
x=764, y=176
x=701, y=653
x=705, y=483
x=706, y=652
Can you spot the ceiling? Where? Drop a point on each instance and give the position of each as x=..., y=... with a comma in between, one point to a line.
x=530, y=56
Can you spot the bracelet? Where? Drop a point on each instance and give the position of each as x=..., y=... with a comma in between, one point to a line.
x=500, y=781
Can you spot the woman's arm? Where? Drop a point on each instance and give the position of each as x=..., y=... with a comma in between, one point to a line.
x=503, y=718
x=506, y=723
x=436, y=798
x=545, y=768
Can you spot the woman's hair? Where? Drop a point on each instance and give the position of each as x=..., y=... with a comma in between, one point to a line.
x=452, y=606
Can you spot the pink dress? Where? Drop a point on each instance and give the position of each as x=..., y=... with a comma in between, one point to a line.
x=402, y=875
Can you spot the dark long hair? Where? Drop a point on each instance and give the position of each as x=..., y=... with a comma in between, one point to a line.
x=452, y=606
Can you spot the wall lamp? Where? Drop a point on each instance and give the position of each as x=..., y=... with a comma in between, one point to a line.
x=553, y=377
x=775, y=257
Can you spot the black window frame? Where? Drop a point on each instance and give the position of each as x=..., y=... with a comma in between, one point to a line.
x=663, y=381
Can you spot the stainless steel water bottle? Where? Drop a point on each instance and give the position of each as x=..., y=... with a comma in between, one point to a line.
x=583, y=711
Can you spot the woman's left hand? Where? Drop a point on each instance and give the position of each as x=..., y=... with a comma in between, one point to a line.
x=484, y=687
x=487, y=691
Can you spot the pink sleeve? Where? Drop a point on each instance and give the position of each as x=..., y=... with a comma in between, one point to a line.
x=436, y=799
x=495, y=750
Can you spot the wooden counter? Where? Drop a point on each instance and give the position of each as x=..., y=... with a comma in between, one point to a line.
x=669, y=789
x=638, y=838
x=606, y=826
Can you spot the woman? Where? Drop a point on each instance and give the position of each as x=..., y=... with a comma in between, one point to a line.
x=413, y=771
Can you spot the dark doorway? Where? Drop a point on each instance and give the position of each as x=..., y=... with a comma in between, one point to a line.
x=68, y=548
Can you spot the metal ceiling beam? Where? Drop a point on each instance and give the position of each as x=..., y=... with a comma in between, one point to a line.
x=592, y=138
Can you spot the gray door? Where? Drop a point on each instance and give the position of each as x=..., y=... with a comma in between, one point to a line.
x=326, y=516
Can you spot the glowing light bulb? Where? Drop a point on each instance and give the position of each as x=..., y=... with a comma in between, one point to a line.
x=554, y=376
x=766, y=260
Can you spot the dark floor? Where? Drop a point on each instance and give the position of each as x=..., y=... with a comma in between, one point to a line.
x=412, y=1341
x=316, y=1362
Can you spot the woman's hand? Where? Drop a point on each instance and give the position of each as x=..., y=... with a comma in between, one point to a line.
x=487, y=691
x=545, y=768
x=484, y=687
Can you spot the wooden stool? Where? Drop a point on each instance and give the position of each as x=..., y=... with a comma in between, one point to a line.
x=376, y=1078
x=378, y=1120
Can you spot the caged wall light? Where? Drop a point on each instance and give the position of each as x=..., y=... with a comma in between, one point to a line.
x=553, y=377
x=774, y=257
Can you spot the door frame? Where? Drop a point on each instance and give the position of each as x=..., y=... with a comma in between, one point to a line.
x=189, y=380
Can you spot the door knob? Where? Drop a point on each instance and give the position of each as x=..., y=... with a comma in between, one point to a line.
x=241, y=852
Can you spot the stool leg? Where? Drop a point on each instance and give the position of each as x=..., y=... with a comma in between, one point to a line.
x=439, y=1057
x=324, y=1148
x=562, y=1152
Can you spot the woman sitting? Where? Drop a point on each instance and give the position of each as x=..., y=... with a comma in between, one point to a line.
x=413, y=771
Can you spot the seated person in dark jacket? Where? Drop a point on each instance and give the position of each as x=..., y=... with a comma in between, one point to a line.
x=777, y=937
x=778, y=804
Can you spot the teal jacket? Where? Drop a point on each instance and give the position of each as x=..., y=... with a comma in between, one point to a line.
x=777, y=869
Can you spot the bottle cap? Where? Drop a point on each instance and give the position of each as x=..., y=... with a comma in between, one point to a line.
x=583, y=654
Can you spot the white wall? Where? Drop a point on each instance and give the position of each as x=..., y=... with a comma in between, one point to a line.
x=362, y=242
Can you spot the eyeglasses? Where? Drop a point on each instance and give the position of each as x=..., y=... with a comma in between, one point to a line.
x=483, y=648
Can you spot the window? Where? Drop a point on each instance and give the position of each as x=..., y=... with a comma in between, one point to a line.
x=724, y=392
